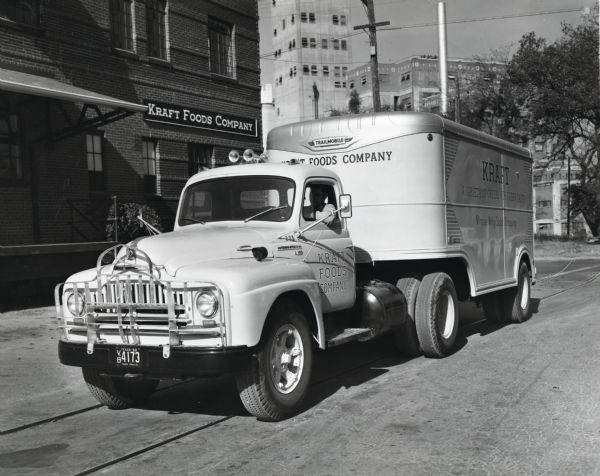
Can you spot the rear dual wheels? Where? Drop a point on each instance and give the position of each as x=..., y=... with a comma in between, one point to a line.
x=405, y=338
x=276, y=382
x=432, y=323
x=436, y=314
x=511, y=305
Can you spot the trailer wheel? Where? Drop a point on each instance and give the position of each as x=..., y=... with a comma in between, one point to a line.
x=517, y=307
x=436, y=315
x=117, y=393
x=493, y=307
x=405, y=338
x=276, y=382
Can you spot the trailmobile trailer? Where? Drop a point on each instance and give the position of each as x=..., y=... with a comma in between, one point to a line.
x=364, y=225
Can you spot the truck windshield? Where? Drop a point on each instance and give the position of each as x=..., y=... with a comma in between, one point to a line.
x=238, y=198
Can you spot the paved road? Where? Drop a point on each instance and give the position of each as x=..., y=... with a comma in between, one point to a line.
x=516, y=399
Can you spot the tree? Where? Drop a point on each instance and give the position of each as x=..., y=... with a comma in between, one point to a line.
x=556, y=85
x=354, y=102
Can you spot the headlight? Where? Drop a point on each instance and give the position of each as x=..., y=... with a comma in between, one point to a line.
x=207, y=303
x=75, y=303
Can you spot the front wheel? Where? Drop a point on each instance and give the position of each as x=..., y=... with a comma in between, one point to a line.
x=436, y=315
x=516, y=300
x=276, y=382
x=115, y=392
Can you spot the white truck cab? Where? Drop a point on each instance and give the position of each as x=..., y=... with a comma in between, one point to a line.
x=359, y=227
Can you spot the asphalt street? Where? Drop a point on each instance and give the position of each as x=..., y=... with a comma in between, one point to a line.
x=512, y=399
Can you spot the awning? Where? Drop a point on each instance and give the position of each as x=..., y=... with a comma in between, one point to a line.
x=47, y=87
x=90, y=115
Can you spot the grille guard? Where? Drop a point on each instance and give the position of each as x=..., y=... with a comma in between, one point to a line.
x=117, y=294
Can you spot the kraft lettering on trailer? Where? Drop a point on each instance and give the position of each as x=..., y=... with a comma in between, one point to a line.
x=494, y=173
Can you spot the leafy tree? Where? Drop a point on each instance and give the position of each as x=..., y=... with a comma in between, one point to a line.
x=557, y=86
x=354, y=102
x=128, y=226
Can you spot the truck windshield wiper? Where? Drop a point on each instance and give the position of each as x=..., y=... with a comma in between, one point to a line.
x=193, y=220
x=272, y=209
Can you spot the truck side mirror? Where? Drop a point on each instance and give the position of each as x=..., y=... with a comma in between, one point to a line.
x=345, y=206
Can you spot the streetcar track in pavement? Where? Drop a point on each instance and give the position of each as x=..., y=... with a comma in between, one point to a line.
x=151, y=447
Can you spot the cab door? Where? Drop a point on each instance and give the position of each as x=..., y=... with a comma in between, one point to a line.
x=328, y=249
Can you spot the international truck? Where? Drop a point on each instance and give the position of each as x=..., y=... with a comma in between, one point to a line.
x=354, y=227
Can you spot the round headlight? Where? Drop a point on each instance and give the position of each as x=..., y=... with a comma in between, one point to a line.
x=76, y=303
x=207, y=304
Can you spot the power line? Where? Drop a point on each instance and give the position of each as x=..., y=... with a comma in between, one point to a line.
x=462, y=20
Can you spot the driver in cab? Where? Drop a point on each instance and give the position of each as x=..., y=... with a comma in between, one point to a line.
x=319, y=207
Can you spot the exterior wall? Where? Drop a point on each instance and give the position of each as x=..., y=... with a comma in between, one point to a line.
x=72, y=44
x=413, y=84
x=293, y=89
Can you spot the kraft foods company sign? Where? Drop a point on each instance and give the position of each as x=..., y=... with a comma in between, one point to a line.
x=190, y=117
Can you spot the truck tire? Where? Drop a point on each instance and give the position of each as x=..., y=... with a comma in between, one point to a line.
x=276, y=381
x=517, y=307
x=436, y=315
x=493, y=307
x=117, y=393
x=405, y=338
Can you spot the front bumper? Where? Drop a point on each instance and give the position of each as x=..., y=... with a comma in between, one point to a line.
x=182, y=363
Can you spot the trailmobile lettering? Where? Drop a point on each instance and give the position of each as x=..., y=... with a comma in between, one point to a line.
x=268, y=260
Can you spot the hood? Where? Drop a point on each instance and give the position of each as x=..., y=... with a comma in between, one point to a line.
x=196, y=244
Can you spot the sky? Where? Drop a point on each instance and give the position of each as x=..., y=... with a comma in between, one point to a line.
x=482, y=26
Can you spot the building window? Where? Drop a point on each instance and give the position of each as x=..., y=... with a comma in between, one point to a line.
x=539, y=146
x=94, y=161
x=26, y=12
x=295, y=71
x=336, y=44
x=313, y=42
x=311, y=17
x=220, y=41
x=283, y=24
x=275, y=32
x=324, y=44
x=344, y=45
x=313, y=69
x=337, y=84
x=293, y=19
x=335, y=19
x=156, y=24
x=351, y=84
x=200, y=157
x=149, y=158
x=305, y=69
x=303, y=17
x=304, y=42
x=325, y=70
x=11, y=164
x=121, y=24
x=344, y=71
x=343, y=20
x=336, y=71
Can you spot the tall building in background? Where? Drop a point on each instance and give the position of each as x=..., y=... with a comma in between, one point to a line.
x=311, y=50
x=414, y=83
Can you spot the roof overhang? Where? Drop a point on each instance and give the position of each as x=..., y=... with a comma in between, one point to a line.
x=25, y=83
x=96, y=110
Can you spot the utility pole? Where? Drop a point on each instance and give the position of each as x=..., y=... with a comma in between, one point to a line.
x=372, y=27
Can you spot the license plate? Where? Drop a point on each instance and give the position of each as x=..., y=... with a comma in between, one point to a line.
x=128, y=357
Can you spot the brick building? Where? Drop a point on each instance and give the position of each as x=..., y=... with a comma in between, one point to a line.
x=108, y=98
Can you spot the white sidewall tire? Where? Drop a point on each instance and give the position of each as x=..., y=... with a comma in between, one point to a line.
x=436, y=315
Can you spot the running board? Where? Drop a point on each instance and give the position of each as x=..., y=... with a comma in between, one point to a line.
x=348, y=335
